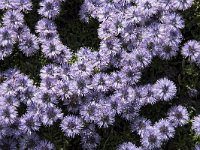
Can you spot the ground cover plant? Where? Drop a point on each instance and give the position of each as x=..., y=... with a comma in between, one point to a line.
x=99, y=74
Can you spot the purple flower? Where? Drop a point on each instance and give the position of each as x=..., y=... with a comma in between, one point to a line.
x=28, y=44
x=81, y=86
x=100, y=82
x=13, y=19
x=71, y=126
x=151, y=138
x=104, y=116
x=49, y=8
x=8, y=114
x=182, y=4
x=44, y=145
x=142, y=58
x=191, y=49
x=22, y=5
x=7, y=36
x=164, y=89
x=29, y=141
x=50, y=115
x=148, y=95
x=88, y=111
x=196, y=124
x=5, y=4
x=127, y=146
x=167, y=51
x=29, y=123
x=147, y=7
x=8, y=143
x=140, y=124
x=81, y=68
x=89, y=138
x=166, y=129
x=5, y=51
x=197, y=147
x=173, y=19
x=178, y=116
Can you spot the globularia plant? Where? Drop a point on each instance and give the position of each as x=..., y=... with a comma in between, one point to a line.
x=99, y=85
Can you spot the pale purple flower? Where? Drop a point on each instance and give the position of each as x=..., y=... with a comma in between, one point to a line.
x=164, y=89
x=44, y=145
x=191, y=49
x=139, y=125
x=127, y=146
x=28, y=44
x=166, y=129
x=196, y=125
x=13, y=19
x=178, y=115
x=29, y=123
x=182, y=4
x=151, y=138
x=49, y=8
x=71, y=126
x=50, y=114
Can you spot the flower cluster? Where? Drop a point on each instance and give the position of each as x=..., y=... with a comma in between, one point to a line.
x=100, y=85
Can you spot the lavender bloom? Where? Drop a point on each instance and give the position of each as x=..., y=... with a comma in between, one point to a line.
x=89, y=138
x=147, y=95
x=166, y=5
x=165, y=128
x=9, y=100
x=130, y=75
x=167, y=51
x=197, y=147
x=196, y=124
x=191, y=49
x=29, y=123
x=88, y=111
x=142, y=58
x=127, y=146
x=71, y=126
x=12, y=130
x=45, y=145
x=5, y=51
x=7, y=36
x=151, y=138
x=52, y=49
x=182, y=4
x=13, y=19
x=100, y=82
x=81, y=68
x=8, y=143
x=81, y=86
x=116, y=81
x=173, y=19
x=49, y=8
x=50, y=115
x=140, y=124
x=22, y=5
x=104, y=116
x=5, y=4
x=29, y=141
x=8, y=114
x=47, y=31
x=28, y=44
x=178, y=116
x=45, y=25
x=164, y=89
x=147, y=7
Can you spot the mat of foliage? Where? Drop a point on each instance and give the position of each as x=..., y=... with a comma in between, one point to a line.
x=76, y=34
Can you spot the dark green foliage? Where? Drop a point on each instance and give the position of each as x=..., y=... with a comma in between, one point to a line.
x=76, y=34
